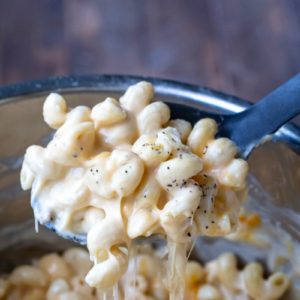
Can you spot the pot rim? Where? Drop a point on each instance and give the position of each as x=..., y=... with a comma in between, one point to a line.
x=190, y=94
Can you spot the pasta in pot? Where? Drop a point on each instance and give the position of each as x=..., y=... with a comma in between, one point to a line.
x=55, y=277
x=123, y=170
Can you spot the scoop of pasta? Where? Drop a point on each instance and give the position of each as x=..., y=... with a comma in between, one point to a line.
x=123, y=169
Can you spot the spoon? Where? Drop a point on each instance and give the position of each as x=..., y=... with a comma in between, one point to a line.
x=247, y=129
x=251, y=127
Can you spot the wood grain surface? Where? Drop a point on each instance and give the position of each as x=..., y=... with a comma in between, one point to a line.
x=240, y=47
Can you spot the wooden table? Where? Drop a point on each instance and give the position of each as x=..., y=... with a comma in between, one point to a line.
x=238, y=46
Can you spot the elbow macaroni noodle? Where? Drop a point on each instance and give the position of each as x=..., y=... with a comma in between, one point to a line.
x=123, y=170
x=55, y=277
x=250, y=280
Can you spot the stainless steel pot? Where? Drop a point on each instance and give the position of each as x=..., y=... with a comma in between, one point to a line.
x=275, y=166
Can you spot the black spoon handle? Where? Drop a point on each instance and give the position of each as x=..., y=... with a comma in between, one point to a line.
x=249, y=127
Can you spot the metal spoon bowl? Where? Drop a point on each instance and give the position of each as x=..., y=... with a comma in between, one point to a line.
x=246, y=128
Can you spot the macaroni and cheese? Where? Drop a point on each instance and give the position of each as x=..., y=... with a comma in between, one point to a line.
x=55, y=277
x=122, y=170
